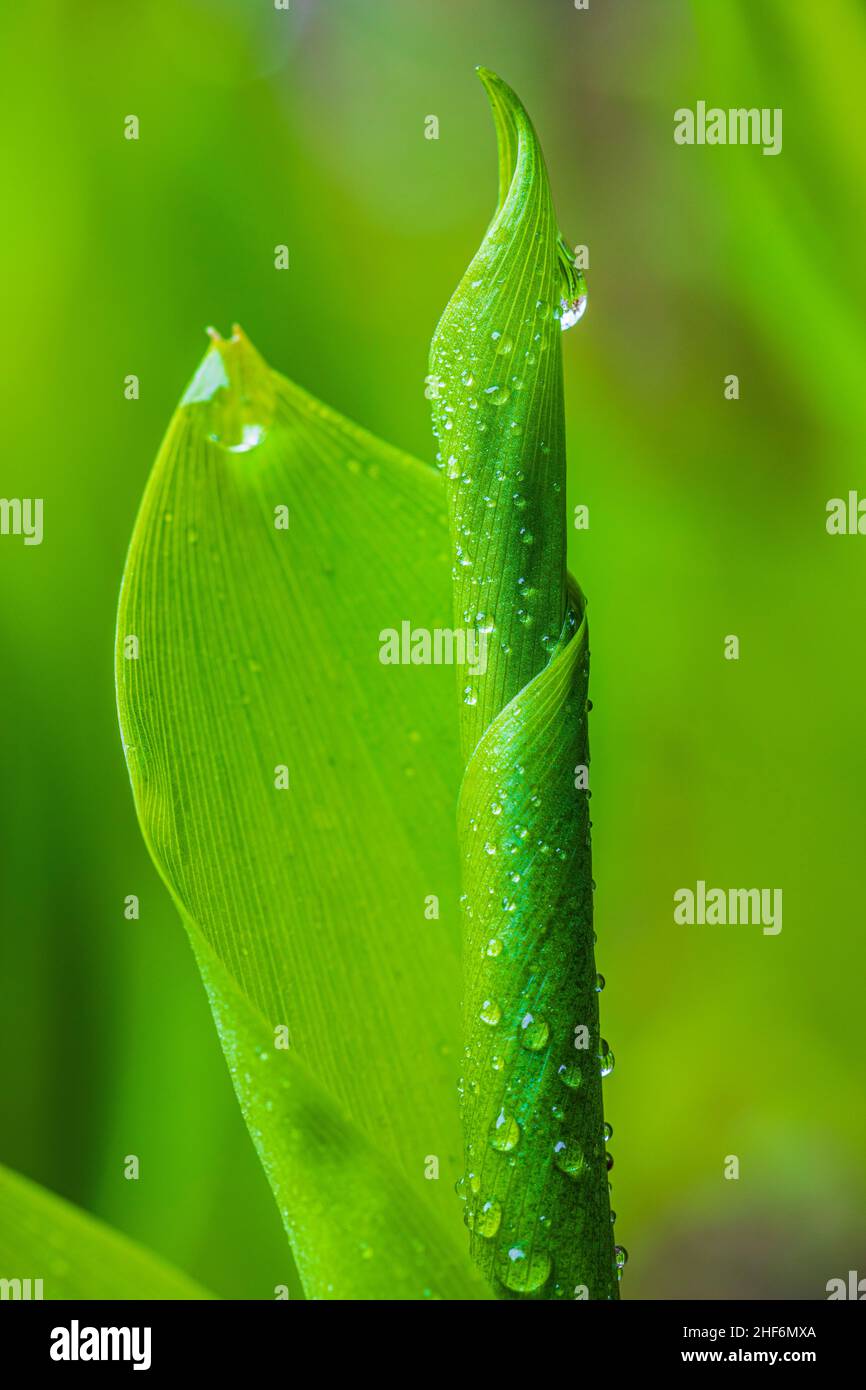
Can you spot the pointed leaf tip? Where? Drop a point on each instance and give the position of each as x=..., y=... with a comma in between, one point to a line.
x=232, y=392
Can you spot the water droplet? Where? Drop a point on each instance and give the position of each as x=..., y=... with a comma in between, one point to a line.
x=605, y=1057
x=599, y=980
x=606, y=1131
x=504, y=1133
x=497, y=1063
x=489, y=848
x=490, y=1012
x=534, y=1033
x=495, y=808
x=569, y=1159
x=470, y=695
x=498, y=395
x=570, y=1075
x=486, y=1221
x=524, y=1272
x=494, y=947
x=505, y=344
x=251, y=435
x=526, y=536
x=620, y=1256
x=571, y=311
x=608, y=1161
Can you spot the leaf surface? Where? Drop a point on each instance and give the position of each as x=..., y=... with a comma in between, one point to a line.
x=44, y=1237
x=258, y=662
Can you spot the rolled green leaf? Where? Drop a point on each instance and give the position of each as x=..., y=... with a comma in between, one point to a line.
x=536, y=1185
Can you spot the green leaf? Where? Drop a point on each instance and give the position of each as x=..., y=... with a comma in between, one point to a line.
x=74, y=1255
x=536, y=1177
x=248, y=654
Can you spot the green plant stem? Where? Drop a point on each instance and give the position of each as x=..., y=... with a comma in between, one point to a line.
x=536, y=1187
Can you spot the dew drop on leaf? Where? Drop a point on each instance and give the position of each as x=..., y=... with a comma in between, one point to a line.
x=534, y=1033
x=490, y=1012
x=486, y=1220
x=571, y=311
x=504, y=1133
x=569, y=1159
x=522, y=1271
x=570, y=1075
x=498, y=395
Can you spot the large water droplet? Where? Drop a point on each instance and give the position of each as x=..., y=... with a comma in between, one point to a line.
x=569, y=1159
x=504, y=1133
x=570, y=1075
x=498, y=395
x=605, y=1057
x=490, y=1012
x=524, y=1271
x=232, y=393
x=534, y=1033
x=571, y=311
x=486, y=1220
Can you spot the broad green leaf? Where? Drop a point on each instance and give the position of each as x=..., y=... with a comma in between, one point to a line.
x=43, y=1237
x=536, y=1178
x=275, y=543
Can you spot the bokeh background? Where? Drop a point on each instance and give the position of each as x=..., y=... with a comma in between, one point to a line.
x=707, y=517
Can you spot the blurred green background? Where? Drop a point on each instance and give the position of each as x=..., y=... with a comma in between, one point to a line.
x=306, y=127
